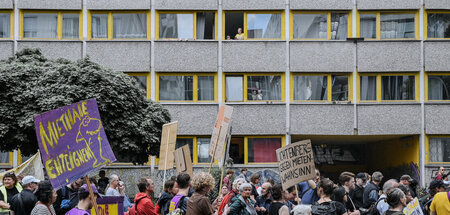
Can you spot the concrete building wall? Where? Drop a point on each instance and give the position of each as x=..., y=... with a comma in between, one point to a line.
x=437, y=119
x=388, y=4
x=186, y=5
x=7, y=48
x=55, y=49
x=253, y=5
x=321, y=5
x=6, y=4
x=118, y=4
x=50, y=4
x=189, y=120
x=437, y=56
x=437, y=4
x=258, y=119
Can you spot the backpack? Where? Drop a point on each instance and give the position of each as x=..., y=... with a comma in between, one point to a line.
x=372, y=210
x=175, y=205
x=71, y=202
x=326, y=208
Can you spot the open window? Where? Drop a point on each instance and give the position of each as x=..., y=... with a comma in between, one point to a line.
x=187, y=25
x=254, y=25
x=233, y=22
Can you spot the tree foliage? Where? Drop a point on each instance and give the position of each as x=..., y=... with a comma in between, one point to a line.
x=30, y=84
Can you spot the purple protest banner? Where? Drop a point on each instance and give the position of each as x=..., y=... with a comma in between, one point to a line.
x=72, y=142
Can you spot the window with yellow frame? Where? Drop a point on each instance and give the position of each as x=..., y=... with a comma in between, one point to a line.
x=394, y=87
x=6, y=24
x=253, y=25
x=243, y=87
x=189, y=25
x=315, y=87
x=198, y=146
x=437, y=149
x=186, y=87
x=255, y=149
x=143, y=81
x=108, y=25
x=38, y=24
x=377, y=25
x=6, y=158
x=437, y=24
x=437, y=87
x=320, y=25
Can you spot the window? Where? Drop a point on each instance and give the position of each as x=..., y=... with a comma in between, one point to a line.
x=198, y=146
x=186, y=141
x=255, y=149
x=143, y=81
x=438, y=87
x=245, y=87
x=119, y=25
x=254, y=25
x=6, y=25
x=6, y=158
x=438, y=25
x=314, y=87
x=186, y=25
x=320, y=25
x=388, y=87
x=183, y=87
x=438, y=149
x=388, y=25
x=51, y=25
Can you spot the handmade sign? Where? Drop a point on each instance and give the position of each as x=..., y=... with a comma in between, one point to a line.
x=220, y=132
x=167, y=148
x=413, y=208
x=72, y=142
x=109, y=205
x=296, y=163
x=183, y=160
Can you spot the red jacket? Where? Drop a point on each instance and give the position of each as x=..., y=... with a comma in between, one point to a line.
x=144, y=205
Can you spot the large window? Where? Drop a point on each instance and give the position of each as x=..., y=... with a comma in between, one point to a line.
x=119, y=25
x=186, y=87
x=186, y=141
x=253, y=25
x=51, y=25
x=143, y=81
x=198, y=146
x=320, y=25
x=438, y=25
x=438, y=149
x=388, y=25
x=388, y=87
x=186, y=25
x=315, y=87
x=6, y=24
x=244, y=87
x=438, y=87
x=255, y=149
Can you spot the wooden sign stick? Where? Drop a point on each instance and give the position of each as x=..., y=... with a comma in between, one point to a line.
x=224, y=157
x=296, y=193
x=91, y=194
x=167, y=153
x=214, y=152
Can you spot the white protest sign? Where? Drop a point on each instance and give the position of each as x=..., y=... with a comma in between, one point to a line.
x=413, y=208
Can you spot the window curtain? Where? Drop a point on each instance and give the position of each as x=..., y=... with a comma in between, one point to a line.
x=339, y=88
x=273, y=28
x=264, y=88
x=438, y=25
x=70, y=26
x=206, y=88
x=5, y=23
x=4, y=157
x=398, y=87
x=310, y=26
x=439, y=150
x=176, y=26
x=40, y=25
x=175, y=88
x=368, y=88
x=234, y=88
x=397, y=26
x=263, y=149
x=310, y=88
x=129, y=26
x=99, y=25
x=368, y=25
x=203, y=150
x=201, y=25
x=339, y=25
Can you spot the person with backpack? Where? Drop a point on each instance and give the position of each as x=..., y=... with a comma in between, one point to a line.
x=23, y=203
x=397, y=201
x=381, y=205
x=178, y=204
x=277, y=206
x=86, y=202
x=67, y=197
x=370, y=194
x=199, y=203
x=143, y=204
x=326, y=206
x=170, y=190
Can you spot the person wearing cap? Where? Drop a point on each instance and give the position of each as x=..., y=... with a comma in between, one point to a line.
x=370, y=195
x=46, y=196
x=85, y=202
x=23, y=203
x=406, y=180
x=436, y=186
x=9, y=188
x=357, y=193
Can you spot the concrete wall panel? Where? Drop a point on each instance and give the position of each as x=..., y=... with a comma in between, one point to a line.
x=388, y=4
x=186, y=5
x=321, y=5
x=6, y=4
x=186, y=56
x=388, y=119
x=321, y=56
x=437, y=119
x=50, y=4
x=118, y=4
x=247, y=56
x=253, y=5
x=389, y=56
x=321, y=119
x=258, y=119
x=55, y=49
x=121, y=56
x=193, y=119
x=7, y=49
x=437, y=56
x=437, y=4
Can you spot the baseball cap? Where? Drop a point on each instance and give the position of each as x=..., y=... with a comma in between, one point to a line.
x=29, y=179
x=362, y=176
x=436, y=184
x=84, y=189
x=406, y=177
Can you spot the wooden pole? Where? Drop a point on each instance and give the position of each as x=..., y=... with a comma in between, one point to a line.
x=91, y=194
x=167, y=153
x=296, y=193
x=214, y=152
x=224, y=157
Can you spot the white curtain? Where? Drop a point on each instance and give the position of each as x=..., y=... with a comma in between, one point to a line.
x=5, y=23
x=310, y=26
x=439, y=149
x=203, y=150
x=176, y=26
x=201, y=21
x=70, y=26
x=206, y=88
x=40, y=25
x=368, y=25
x=130, y=25
x=310, y=88
x=273, y=29
x=339, y=26
x=234, y=89
x=100, y=26
x=176, y=88
x=438, y=25
x=264, y=87
x=368, y=87
x=397, y=26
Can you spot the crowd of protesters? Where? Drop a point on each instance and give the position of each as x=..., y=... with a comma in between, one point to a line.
x=362, y=193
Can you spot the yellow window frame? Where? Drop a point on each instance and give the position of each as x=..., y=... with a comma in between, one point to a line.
x=11, y=24
x=195, y=148
x=10, y=163
x=378, y=23
x=246, y=149
x=245, y=86
x=427, y=148
x=426, y=85
x=60, y=23
x=328, y=13
x=379, y=86
x=111, y=25
x=283, y=36
x=194, y=89
x=148, y=77
x=329, y=85
x=194, y=27
x=425, y=23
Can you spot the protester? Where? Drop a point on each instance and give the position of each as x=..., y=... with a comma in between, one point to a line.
x=46, y=196
x=226, y=202
x=277, y=207
x=179, y=201
x=114, y=189
x=265, y=199
x=325, y=205
x=340, y=197
x=218, y=200
x=85, y=202
x=440, y=173
x=440, y=204
x=227, y=179
x=370, y=195
x=435, y=187
x=357, y=193
x=23, y=203
x=9, y=188
x=243, y=204
x=143, y=204
x=289, y=196
x=347, y=180
x=301, y=210
x=407, y=193
x=239, y=35
x=381, y=205
x=103, y=182
x=407, y=180
x=308, y=190
x=254, y=181
x=67, y=197
x=170, y=190
x=397, y=201
x=198, y=203
x=243, y=174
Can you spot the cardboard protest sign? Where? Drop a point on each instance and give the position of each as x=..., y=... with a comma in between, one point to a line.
x=109, y=205
x=296, y=163
x=220, y=132
x=183, y=160
x=413, y=208
x=167, y=148
x=72, y=142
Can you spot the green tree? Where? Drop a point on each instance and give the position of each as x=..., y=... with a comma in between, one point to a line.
x=30, y=84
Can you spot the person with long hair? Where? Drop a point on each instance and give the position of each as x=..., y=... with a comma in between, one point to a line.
x=46, y=196
x=325, y=205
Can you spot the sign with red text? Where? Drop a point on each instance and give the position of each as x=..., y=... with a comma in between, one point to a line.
x=109, y=205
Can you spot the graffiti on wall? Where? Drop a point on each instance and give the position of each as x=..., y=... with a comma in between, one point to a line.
x=338, y=154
